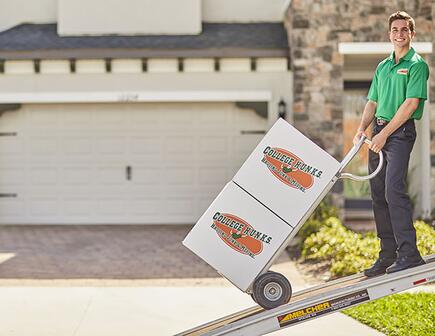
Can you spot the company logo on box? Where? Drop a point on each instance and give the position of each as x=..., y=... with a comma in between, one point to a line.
x=239, y=234
x=290, y=169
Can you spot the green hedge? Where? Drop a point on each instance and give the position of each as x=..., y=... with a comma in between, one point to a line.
x=349, y=252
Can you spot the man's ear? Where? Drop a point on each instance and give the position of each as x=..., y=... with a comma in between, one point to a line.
x=413, y=34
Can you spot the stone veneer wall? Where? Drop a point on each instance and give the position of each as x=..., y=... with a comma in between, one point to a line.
x=315, y=28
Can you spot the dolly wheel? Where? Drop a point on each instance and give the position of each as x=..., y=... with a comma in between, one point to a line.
x=271, y=290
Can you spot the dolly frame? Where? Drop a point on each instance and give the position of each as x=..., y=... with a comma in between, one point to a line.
x=349, y=156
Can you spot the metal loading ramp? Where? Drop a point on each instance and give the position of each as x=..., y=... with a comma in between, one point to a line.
x=317, y=301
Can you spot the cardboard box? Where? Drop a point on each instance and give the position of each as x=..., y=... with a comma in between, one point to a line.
x=237, y=236
x=249, y=221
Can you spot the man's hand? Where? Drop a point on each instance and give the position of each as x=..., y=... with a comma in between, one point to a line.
x=358, y=136
x=378, y=142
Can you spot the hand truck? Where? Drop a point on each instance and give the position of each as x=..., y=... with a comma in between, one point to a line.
x=262, y=208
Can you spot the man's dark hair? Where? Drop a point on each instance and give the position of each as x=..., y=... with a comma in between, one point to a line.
x=401, y=15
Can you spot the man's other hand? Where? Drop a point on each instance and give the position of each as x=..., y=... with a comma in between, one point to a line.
x=378, y=142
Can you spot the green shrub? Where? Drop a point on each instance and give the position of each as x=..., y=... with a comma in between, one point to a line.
x=317, y=219
x=425, y=238
x=348, y=252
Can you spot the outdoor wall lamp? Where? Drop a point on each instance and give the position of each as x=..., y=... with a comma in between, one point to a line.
x=282, y=109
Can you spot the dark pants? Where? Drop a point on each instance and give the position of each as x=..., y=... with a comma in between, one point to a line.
x=391, y=203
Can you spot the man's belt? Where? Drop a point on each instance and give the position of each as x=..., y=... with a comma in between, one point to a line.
x=381, y=122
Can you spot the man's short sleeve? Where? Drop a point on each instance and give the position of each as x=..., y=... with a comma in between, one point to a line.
x=417, y=83
x=373, y=92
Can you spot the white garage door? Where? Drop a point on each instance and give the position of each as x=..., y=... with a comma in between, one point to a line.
x=119, y=163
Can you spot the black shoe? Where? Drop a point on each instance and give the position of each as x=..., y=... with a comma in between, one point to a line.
x=405, y=262
x=379, y=267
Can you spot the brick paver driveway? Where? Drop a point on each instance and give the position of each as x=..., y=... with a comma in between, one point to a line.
x=98, y=252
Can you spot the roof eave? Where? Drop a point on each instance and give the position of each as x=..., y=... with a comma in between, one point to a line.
x=108, y=53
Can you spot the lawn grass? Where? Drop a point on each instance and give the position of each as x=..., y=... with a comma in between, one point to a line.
x=399, y=315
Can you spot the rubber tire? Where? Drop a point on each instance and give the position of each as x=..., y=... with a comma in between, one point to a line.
x=252, y=297
x=264, y=280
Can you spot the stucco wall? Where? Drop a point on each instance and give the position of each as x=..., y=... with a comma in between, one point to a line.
x=13, y=12
x=99, y=17
x=244, y=10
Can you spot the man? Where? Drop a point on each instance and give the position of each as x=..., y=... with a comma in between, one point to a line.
x=396, y=97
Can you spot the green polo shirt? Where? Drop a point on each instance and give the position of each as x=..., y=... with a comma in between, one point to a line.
x=393, y=83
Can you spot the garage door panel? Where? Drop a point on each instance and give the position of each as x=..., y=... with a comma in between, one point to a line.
x=77, y=117
x=111, y=206
x=75, y=145
x=145, y=145
x=12, y=208
x=212, y=145
x=107, y=176
x=43, y=176
x=12, y=176
x=175, y=176
x=78, y=176
x=68, y=163
x=179, y=206
x=13, y=146
x=180, y=144
x=109, y=145
x=213, y=176
x=46, y=146
x=79, y=206
x=108, y=117
x=145, y=206
x=245, y=144
x=40, y=206
x=149, y=176
x=43, y=117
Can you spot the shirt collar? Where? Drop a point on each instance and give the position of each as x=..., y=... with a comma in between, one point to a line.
x=407, y=56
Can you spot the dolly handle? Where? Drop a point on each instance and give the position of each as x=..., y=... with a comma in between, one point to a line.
x=367, y=177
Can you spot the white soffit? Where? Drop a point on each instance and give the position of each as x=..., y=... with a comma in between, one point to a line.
x=19, y=67
x=54, y=67
x=199, y=65
x=272, y=65
x=235, y=65
x=367, y=48
x=131, y=96
x=126, y=66
x=94, y=66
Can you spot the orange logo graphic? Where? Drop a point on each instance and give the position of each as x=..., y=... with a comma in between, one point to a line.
x=239, y=235
x=289, y=168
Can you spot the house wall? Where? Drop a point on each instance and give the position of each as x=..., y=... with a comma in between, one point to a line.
x=123, y=86
x=315, y=28
x=13, y=12
x=99, y=17
x=137, y=16
x=244, y=10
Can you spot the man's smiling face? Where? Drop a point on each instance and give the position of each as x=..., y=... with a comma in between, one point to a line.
x=400, y=34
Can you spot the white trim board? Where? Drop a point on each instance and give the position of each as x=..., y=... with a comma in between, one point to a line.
x=135, y=96
x=374, y=48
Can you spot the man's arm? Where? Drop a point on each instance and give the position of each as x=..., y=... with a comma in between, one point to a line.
x=404, y=112
x=366, y=119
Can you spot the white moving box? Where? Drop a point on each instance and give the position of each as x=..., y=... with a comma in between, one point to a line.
x=287, y=172
x=246, y=225
x=237, y=236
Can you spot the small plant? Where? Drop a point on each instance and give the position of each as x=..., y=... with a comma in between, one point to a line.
x=348, y=252
x=318, y=219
